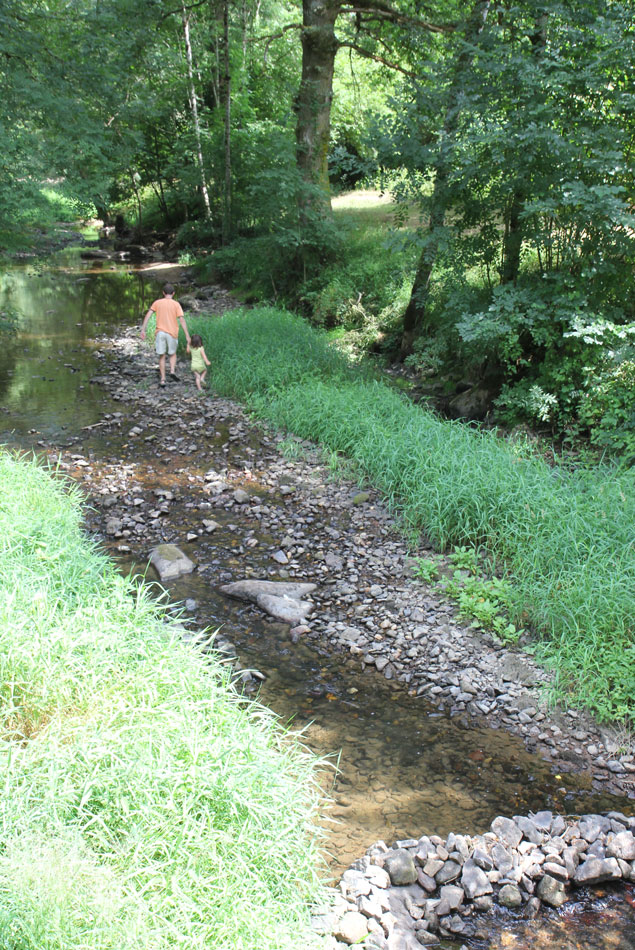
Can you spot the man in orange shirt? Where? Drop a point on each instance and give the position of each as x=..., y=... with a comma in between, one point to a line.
x=169, y=314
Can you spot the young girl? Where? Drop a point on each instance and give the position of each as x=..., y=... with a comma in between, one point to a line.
x=200, y=361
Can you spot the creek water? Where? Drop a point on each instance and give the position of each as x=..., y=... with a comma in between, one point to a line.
x=400, y=768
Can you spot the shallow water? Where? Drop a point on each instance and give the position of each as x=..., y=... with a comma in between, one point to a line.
x=403, y=768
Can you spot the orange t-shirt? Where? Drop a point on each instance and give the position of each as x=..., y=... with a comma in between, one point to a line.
x=167, y=313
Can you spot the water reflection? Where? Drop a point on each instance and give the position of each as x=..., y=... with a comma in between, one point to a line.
x=49, y=357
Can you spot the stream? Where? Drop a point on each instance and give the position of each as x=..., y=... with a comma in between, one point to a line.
x=400, y=767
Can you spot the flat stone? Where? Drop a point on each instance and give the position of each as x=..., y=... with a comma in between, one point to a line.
x=251, y=590
x=170, y=562
x=507, y=831
x=449, y=872
x=284, y=608
x=556, y=870
x=433, y=866
x=474, y=881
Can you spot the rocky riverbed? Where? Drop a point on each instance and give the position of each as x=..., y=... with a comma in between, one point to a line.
x=172, y=467
x=287, y=511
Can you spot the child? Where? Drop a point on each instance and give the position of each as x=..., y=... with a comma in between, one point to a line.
x=199, y=360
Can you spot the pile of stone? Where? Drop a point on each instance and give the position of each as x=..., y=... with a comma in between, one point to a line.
x=423, y=890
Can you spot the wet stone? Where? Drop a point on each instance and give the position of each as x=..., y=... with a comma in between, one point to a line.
x=170, y=562
x=510, y=896
x=551, y=891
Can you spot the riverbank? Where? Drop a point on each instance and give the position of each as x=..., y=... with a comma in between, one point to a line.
x=144, y=801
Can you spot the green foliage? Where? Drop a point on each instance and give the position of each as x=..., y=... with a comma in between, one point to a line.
x=9, y=320
x=426, y=569
x=365, y=287
x=487, y=602
x=564, y=539
x=608, y=409
x=146, y=802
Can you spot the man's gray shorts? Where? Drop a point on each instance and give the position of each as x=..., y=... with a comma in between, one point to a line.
x=164, y=343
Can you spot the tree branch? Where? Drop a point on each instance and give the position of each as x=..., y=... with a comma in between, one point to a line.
x=275, y=36
x=385, y=11
x=378, y=59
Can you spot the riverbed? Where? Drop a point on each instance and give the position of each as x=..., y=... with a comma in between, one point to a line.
x=77, y=387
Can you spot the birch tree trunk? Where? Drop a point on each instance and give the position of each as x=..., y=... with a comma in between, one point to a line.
x=227, y=198
x=194, y=109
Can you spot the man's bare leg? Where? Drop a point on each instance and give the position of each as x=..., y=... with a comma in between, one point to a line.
x=162, y=368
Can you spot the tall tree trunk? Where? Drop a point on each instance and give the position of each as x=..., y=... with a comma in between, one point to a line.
x=227, y=198
x=194, y=108
x=513, y=237
x=313, y=101
x=416, y=311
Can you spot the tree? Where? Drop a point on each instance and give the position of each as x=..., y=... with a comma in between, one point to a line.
x=313, y=101
x=415, y=314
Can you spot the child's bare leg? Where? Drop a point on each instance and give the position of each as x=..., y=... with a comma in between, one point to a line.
x=197, y=377
x=203, y=375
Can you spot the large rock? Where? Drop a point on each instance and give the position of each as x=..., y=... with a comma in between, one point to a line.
x=170, y=562
x=595, y=870
x=622, y=846
x=280, y=599
x=352, y=928
x=400, y=866
x=550, y=891
x=251, y=590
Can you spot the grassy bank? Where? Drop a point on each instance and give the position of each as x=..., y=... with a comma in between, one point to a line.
x=143, y=804
x=565, y=540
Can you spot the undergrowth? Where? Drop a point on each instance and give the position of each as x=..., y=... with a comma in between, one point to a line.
x=563, y=540
x=144, y=802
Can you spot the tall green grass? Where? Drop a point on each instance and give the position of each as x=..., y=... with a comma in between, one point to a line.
x=144, y=803
x=565, y=540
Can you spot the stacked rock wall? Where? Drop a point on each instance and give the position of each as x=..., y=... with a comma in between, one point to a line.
x=424, y=889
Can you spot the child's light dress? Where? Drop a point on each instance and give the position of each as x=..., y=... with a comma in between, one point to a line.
x=198, y=363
